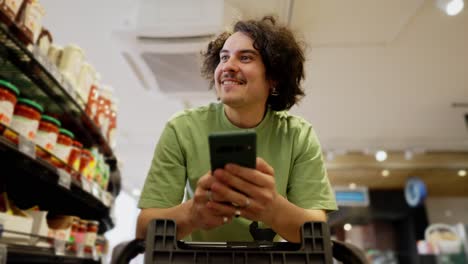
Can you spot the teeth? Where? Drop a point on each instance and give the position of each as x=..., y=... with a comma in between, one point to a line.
x=230, y=82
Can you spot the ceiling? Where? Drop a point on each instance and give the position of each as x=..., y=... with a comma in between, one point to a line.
x=380, y=75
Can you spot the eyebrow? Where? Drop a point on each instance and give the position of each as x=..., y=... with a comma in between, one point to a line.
x=251, y=51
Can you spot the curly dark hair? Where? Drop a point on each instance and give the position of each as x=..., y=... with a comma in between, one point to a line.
x=281, y=53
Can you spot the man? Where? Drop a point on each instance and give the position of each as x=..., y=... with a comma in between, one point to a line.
x=256, y=71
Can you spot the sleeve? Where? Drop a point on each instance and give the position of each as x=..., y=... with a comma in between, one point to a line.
x=309, y=187
x=165, y=183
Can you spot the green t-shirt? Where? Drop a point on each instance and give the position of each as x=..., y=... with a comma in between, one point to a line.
x=288, y=143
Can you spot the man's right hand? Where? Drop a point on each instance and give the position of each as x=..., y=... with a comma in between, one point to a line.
x=207, y=211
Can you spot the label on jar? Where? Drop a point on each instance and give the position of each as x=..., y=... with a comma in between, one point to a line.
x=90, y=239
x=77, y=66
x=14, y=5
x=62, y=152
x=6, y=112
x=79, y=237
x=25, y=126
x=46, y=140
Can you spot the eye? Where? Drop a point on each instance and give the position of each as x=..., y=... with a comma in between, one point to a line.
x=224, y=58
x=245, y=58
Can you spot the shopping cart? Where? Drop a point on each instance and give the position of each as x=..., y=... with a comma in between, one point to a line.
x=161, y=246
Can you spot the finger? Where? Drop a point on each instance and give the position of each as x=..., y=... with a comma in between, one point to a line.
x=264, y=167
x=237, y=183
x=214, y=220
x=200, y=195
x=205, y=181
x=227, y=194
x=220, y=209
x=250, y=175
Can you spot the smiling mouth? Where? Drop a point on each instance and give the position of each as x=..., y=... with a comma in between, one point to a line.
x=231, y=82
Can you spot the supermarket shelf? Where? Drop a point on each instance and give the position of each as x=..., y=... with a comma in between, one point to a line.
x=30, y=254
x=32, y=181
x=41, y=81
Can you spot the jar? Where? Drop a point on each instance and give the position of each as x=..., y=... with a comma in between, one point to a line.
x=112, y=124
x=48, y=132
x=85, y=164
x=29, y=21
x=86, y=78
x=83, y=227
x=9, y=10
x=8, y=94
x=44, y=41
x=25, y=119
x=74, y=230
x=78, y=236
x=55, y=54
x=64, y=144
x=92, y=104
x=75, y=155
x=103, y=110
x=91, y=234
x=70, y=63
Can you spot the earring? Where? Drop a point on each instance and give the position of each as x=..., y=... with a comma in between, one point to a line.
x=274, y=92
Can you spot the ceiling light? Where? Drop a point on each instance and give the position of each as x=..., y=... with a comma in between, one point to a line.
x=352, y=186
x=451, y=7
x=385, y=173
x=454, y=7
x=381, y=155
x=408, y=155
x=462, y=173
x=347, y=227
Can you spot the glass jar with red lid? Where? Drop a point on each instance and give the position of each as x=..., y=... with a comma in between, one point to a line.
x=85, y=164
x=64, y=144
x=8, y=98
x=25, y=119
x=47, y=133
x=75, y=155
x=91, y=234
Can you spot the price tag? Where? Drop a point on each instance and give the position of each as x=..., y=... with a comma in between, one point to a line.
x=59, y=247
x=26, y=146
x=106, y=198
x=85, y=184
x=64, y=178
x=96, y=190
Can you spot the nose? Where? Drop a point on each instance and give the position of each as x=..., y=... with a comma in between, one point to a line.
x=230, y=65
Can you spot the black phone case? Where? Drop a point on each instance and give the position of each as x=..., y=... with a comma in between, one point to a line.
x=233, y=147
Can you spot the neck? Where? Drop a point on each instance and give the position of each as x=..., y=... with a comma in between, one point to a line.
x=245, y=117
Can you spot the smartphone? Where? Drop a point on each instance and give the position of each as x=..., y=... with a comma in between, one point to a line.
x=233, y=147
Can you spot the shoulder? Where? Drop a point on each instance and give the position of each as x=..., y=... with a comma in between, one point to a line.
x=292, y=122
x=194, y=115
x=295, y=127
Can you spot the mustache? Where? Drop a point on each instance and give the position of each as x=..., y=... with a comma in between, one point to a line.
x=229, y=75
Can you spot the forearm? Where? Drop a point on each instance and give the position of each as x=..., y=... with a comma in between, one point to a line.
x=289, y=218
x=180, y=214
